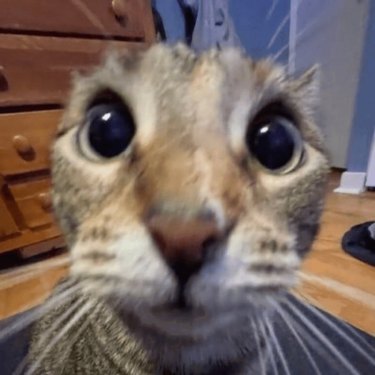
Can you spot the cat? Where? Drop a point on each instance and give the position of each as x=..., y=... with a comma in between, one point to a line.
x=189, y=189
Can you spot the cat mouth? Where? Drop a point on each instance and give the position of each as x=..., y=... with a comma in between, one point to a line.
x=190, y=323
x=180, y=309
x=186, y=323
x=177, y=312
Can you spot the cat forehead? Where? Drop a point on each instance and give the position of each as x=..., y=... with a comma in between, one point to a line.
x=180, y=62
x=167, y=68
x=177, y=83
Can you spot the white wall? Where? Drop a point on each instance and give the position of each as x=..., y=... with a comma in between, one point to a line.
x=331, y=33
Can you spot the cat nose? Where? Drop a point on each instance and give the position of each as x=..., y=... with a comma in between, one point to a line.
x=184, y=243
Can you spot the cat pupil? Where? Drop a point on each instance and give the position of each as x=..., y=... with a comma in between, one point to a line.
x=273, y=143
x=111, y=129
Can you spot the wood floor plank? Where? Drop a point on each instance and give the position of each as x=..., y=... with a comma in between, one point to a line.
x=328, y=260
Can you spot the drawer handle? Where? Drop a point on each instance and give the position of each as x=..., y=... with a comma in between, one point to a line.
x=3, y=81
x=45, y=201
x=22, y=145
x=119, y=10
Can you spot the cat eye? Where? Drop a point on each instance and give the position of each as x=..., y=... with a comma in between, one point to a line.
x=276, y=144
x=108, y=131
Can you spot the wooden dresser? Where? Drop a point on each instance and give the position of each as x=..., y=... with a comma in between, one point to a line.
x=41, y=43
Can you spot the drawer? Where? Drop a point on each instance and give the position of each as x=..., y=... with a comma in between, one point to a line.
x=100, y=18
x=33, y=200
x=37, y=70
x=25, y=140
x=8, y=226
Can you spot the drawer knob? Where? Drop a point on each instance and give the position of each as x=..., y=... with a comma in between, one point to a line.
x=45, y=200
x=22, y=145
x=119, y=10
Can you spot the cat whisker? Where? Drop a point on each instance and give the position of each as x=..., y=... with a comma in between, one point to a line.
x=271, y=355
x=31, y=272
x=31, y=317
x=41, y=265
x=258, y=345
x=47, y=335
x=73, y=321
x=67, y=284
x=340, y=332
x=322, y=338
x=359, y=338
x=298, y=338
x=282, y=50
x=73, y=339
x=312, y=341
x=355, y=294
x=272, y=9
x=300, y=296
x=277, y=347
x=312, y=303
x=298, y=39
x=278, y=30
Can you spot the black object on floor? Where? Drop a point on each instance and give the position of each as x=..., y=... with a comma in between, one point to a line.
x=359, y=243
x=342, y=337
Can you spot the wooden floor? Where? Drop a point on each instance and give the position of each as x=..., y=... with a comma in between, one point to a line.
x=351, y=283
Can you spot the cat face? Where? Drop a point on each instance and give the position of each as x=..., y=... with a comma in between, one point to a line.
x=189, y=187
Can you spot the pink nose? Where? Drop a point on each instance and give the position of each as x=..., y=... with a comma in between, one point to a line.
x=183, y=243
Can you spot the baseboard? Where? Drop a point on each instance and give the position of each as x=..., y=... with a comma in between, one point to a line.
x=352, y=183
x=370, y=178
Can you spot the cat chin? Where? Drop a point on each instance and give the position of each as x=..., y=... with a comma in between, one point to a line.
x=213, y=331
x=200, y=358
x=182, y=344
x=191, y=326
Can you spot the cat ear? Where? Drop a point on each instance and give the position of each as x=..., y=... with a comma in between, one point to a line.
x=307, y=88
